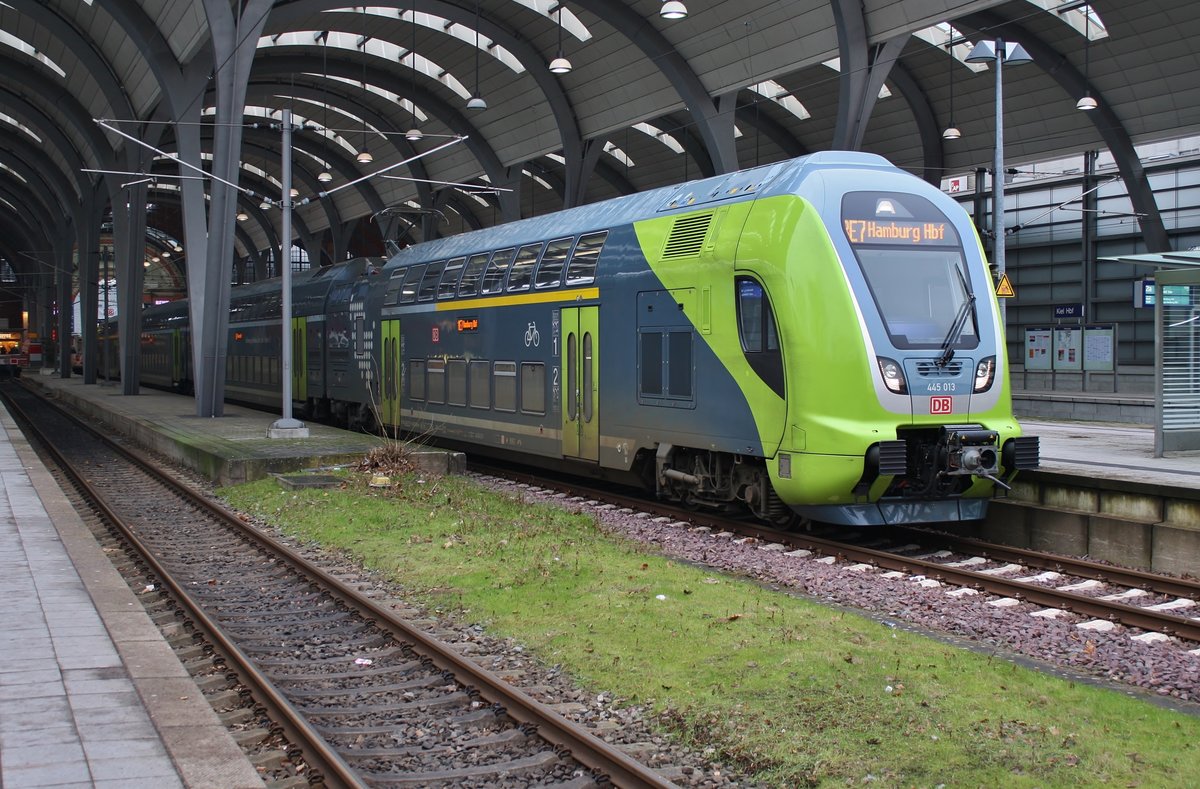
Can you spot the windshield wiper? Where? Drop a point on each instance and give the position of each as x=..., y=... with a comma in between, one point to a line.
x=967, y=310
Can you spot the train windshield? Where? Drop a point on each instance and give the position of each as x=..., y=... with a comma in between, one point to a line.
x=912, y=260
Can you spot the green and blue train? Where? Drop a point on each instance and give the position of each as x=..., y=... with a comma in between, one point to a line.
x=817, y=338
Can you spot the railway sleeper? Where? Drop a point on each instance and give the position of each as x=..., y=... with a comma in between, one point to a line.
x=484, y=716
x=511, y=736
x=509, y=770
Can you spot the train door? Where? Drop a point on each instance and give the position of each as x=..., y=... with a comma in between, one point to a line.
x=389, y=363
x=580, y=366
x=299, y=359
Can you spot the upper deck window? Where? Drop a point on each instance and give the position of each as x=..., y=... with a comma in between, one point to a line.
x=469, y=284
x=412, y=281
x=493, y=278
x=393, y=288
x=582, y=268
x=448, y=285
x=429, y=284
x=521, y=274
x=549, y=272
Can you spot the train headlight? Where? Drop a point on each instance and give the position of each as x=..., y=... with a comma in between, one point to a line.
x=985, y=373
x=893, y=375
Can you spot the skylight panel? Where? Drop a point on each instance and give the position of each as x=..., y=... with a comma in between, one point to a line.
x=1076, y=14
x=615, y=152
x=550, y=9
x=263, y=174
x=772, y=90
x=836, y=65
x=941, y=34
x=14, y=122
x=474, y=196
x=390, y=53
x=538, y=179
x=443, y=25
x=19, y=45
x=660, y=135
x=12, y=172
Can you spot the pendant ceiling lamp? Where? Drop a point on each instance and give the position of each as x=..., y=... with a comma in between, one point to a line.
x=364, y=153
x=414, y=133
x=324, y=176
x=560, y=65
x=476, y=101
x=673, y=9
x=951, y=132
x=1086, y=102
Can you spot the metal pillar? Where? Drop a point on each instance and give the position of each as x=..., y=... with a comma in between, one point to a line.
x=286, y=426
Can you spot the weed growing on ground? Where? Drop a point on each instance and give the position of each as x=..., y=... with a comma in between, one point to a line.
x=800, y=693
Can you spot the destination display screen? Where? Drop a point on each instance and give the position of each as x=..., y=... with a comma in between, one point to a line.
x=899, y=231
x=895, y=219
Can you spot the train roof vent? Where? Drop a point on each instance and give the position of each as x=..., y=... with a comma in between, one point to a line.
x=687, y=236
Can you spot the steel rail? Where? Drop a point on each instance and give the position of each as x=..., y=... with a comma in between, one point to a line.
x=321, y=758
x=1133, y=578
x=582, y=745
x=1132, y=616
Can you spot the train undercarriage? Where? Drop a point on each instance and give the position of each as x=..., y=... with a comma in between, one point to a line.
x=720, y=481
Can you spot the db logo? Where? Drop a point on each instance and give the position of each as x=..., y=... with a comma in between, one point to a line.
x=941, y=405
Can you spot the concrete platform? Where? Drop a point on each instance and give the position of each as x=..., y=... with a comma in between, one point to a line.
x=230, y=449
x=1100, y=492
x=1111, y=451
x=1134, y=409
x=90, y=693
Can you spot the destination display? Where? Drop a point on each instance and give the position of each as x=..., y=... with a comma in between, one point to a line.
x=899, y=231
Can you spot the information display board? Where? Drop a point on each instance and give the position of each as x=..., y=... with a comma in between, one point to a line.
x=1037, y=348
x=1173, y=295
x=1099, y=348
x=1067, y=353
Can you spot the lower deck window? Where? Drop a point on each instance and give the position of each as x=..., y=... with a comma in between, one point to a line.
x=479, y=373
x=435, y=370
x=533, y=387
x=456, y=378
x=504, y=381
x=416, y=379
x=665, y=367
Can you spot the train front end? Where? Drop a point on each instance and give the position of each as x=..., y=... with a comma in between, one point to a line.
x=898, y=395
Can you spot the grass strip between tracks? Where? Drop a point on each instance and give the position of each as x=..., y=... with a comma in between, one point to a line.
x=795, y=692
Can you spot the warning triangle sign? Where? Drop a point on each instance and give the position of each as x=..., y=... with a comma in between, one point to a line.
x=1005, y=289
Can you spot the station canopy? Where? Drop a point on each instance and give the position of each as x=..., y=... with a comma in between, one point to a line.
x=537, y=105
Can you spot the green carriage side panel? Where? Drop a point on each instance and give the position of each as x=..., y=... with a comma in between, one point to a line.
x=299, y=358
x=830, y=390
x=783, y=243
x=752, y=238
x=580, y=356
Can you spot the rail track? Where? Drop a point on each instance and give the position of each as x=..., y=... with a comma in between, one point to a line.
x=367, y=698
x=1102, y=596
